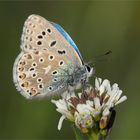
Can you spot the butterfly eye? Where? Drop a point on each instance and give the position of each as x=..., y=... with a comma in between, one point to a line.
x=88, y=68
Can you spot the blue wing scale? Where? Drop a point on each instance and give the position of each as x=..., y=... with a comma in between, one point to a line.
x=67, y=37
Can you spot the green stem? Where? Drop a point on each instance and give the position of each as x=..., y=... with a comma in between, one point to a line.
x=93, y=136
x=77, y=133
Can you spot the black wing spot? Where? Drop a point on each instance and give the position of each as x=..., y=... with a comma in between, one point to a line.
x=50, y=88
x=34, y=64
x=43, y=33
x=41, y=60
x=39, y=80
x=49, y=30
x=54, y=72
x=40, y=36
x=40, y=86
x=52, y=43
x=61, y=62
x=34, y=75
x=61, y=52
x=51, y=57
x=39, y=42
x=31, y=69
x=55, y=80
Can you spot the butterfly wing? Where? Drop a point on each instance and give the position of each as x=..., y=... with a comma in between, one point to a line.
x=40, y=33
x=47, y=58
x=67, y=37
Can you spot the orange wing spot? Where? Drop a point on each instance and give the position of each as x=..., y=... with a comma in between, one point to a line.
x=25, y=84
x=22, y=76
x=22, y=63
x=33, y=92
x=20, y=69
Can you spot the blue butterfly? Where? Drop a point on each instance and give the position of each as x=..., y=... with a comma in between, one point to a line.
x=49, y=62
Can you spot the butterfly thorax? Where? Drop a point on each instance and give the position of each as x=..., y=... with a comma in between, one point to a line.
x=79, y=77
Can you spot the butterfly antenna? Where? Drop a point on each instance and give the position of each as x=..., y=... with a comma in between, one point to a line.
x=99, y=58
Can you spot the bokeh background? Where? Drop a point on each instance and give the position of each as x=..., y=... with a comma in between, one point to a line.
x=96, y=27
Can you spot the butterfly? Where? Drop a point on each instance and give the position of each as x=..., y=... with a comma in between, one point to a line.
x=49, y=62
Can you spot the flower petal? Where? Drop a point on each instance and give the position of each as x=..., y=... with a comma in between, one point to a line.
x=98, y=82
x=60, y=122
x=101, y=90
x=106, y=84
x=122, y=99
x=106, y=112
x=97, y=102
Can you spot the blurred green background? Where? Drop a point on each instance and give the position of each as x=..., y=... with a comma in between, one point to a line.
x=96, y=27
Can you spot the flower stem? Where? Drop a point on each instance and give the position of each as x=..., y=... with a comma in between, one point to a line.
x=93, y=136
x=77, y=133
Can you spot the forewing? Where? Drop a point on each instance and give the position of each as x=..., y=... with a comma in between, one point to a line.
x=40, y=33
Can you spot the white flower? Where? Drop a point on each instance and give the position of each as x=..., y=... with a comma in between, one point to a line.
x=83, y=118
x=91, y=108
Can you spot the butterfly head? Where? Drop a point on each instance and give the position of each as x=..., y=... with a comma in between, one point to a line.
x=89, y=70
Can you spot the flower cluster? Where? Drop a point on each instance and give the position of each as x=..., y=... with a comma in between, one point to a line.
x=91, y=109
